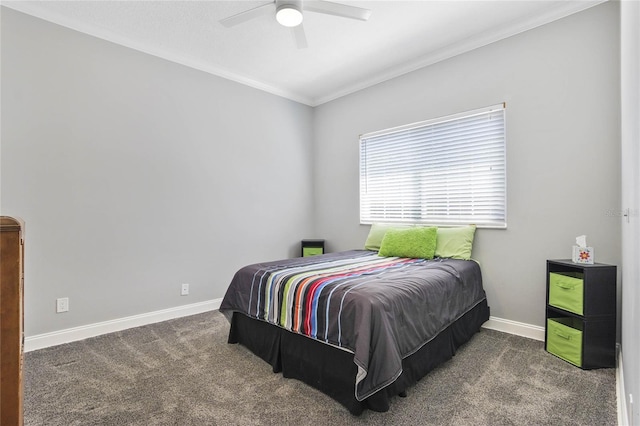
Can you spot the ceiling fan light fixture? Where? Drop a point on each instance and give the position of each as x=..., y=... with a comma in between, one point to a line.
x=289, y=15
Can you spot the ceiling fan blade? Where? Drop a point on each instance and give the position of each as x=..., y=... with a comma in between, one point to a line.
x=247, y=15
x=299, y=36
x=337, y=9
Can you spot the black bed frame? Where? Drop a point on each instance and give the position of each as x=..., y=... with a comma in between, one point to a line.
x=332, y=370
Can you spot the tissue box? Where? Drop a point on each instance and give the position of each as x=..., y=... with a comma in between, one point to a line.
x=582, y=255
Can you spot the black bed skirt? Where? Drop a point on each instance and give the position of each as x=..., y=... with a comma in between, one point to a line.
x=332, y=370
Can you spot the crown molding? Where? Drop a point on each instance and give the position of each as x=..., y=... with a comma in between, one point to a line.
x=30, y=9
x=444, y=53
x=464, y=46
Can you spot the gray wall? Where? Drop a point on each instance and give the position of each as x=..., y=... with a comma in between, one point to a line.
x=561, y=86
x=630, y=85
x=135, y=174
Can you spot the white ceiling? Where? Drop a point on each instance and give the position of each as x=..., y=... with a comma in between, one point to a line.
x=343, y=56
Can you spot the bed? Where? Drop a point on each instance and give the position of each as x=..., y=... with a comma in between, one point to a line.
x=360, y=327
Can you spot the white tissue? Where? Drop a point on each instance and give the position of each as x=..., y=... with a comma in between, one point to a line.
x=582, y=253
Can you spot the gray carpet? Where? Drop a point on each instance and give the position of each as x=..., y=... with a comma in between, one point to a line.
x=182, y=372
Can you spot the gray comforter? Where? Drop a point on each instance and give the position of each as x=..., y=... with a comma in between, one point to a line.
x=380, y=309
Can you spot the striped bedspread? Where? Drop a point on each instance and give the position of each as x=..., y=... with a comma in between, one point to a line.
x=382, y=309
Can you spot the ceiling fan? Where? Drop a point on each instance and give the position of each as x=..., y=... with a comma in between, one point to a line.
x=289, y=14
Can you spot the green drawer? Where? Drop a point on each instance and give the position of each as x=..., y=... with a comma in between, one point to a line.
x=566, y=291
x=311, y=251
x=564, y=339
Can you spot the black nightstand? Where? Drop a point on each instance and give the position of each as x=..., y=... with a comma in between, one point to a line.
x=311, y=247
x=581, y=313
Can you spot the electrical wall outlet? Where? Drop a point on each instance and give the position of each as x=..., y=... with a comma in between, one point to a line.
x=184, y=290
x=62, y=304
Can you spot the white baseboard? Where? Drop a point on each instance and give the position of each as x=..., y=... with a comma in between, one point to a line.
x=513, y=327
x=621, y=396
x=46, y=340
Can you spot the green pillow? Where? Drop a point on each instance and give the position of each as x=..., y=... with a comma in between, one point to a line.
x=455, y=243
x=419, y=243
x=376, y=234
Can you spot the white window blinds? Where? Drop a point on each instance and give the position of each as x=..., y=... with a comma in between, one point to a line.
x=446, y=171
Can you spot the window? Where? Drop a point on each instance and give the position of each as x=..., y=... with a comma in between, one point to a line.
x=446, y=171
